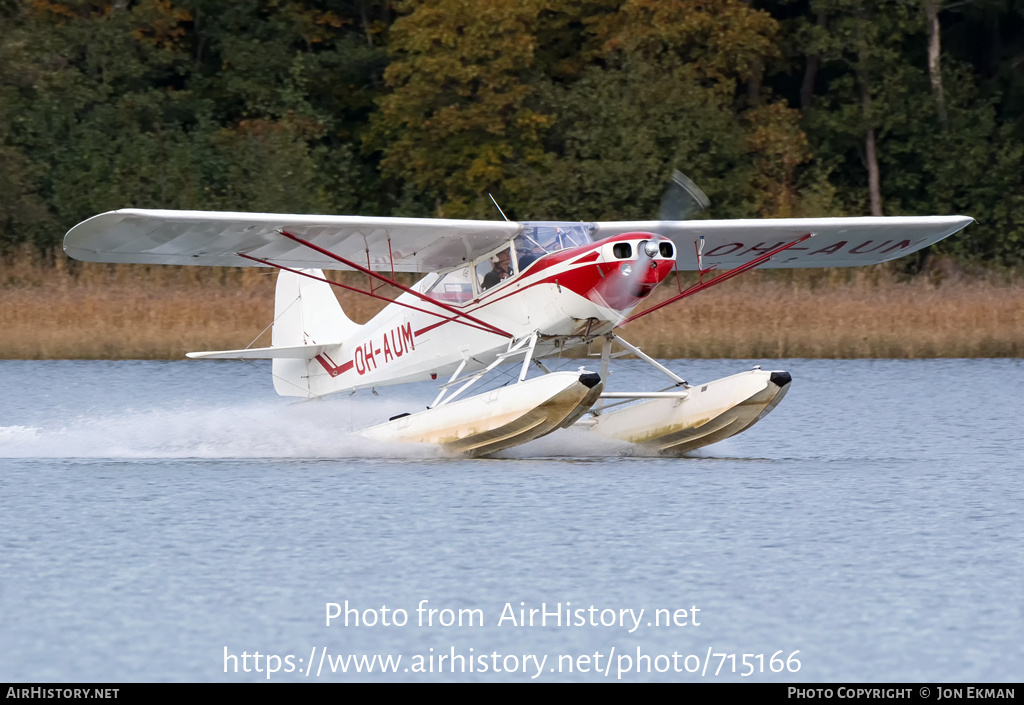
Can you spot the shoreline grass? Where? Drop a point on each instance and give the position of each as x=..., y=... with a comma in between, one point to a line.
x=53, y=308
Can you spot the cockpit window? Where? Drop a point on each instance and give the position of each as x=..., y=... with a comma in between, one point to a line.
x=453, y=288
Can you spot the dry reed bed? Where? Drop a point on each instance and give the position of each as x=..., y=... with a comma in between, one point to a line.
x=766, y=318
x=53, y=309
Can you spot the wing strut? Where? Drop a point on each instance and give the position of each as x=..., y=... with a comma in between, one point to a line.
x=461, y=314
x=702, y=285
x=453, y=319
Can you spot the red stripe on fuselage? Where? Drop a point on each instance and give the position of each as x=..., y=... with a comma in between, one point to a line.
x=591, y=281
x=328, y=364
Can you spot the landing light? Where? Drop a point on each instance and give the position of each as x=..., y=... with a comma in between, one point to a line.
x=626, y=270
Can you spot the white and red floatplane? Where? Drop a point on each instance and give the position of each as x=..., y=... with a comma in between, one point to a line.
x=499, y=292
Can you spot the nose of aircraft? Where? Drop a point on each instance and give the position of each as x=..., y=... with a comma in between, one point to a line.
x=651, y=272
x=636, y=278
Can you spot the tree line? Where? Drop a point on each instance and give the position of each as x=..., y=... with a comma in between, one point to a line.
x=562, y=109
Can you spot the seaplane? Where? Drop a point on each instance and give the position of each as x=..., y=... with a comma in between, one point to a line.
x=501, y=295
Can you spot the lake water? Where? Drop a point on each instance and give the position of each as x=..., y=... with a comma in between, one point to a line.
x=168, y=520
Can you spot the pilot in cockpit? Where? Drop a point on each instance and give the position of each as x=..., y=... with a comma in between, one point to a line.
x=501, y=270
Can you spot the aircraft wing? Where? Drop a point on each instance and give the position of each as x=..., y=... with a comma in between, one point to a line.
x=837, y=242
x=215, y=238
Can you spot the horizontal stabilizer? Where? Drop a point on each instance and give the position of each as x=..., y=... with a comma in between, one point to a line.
x=293, y=352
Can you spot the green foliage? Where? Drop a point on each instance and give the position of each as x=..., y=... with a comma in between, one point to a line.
x=458, y=116
x=662, y=96
x=560, y=108
x=958, y=160
x=195, y=105
x=619, y=134
x=24, y=216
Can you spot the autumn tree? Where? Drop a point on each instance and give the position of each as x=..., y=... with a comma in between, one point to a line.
x=460, y=113
x=670, y=89
x=560, y=108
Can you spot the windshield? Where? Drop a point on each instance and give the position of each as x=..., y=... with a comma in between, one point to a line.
x=539, y=238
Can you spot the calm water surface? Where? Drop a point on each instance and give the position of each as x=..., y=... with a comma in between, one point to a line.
x=160, y=519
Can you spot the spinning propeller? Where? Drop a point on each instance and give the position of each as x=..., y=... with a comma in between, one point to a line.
x=682, y=200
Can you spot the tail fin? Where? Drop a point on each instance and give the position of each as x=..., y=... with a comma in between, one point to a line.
x=306, y=312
